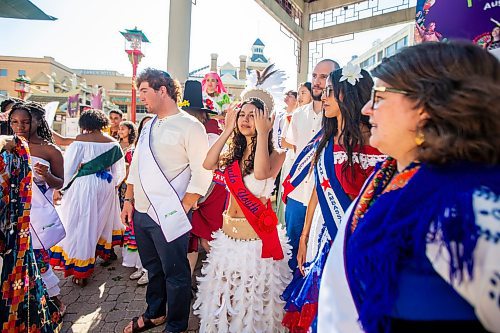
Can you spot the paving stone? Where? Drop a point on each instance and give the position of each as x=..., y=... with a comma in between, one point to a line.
x=107, y=303
x=109, y=327
x=115, y=316
x=126, y=297
x=117, y=290
x=137, y=305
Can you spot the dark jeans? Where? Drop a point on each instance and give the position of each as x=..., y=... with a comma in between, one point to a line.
x=295, y=214
x=168, y=273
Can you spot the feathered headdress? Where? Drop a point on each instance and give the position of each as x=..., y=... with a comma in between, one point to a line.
x=265, y=85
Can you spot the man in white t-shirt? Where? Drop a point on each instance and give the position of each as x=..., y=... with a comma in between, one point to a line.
x=178, y=141
x=305, y=124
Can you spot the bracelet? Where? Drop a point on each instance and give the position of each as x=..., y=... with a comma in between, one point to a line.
x=131, y=200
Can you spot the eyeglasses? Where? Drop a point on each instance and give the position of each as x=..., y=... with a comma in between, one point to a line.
x=327, y=91
x=385, y=89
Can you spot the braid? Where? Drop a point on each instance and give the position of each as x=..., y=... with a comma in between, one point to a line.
x=43, y=129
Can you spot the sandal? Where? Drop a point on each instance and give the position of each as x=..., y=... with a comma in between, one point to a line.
x=148, y=324
x=79, y=282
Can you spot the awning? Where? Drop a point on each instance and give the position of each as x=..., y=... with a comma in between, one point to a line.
x=22, y=9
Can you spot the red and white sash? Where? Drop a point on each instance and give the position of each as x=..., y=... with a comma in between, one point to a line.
x=261, y=217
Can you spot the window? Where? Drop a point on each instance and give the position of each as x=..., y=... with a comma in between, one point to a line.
x=379, y=56
x=3, y=93
x=123, y=108
x=141, y=109
x=3, y=72
x=402, y=43
x=21, y=72
x=368, y=62
x=390, y=50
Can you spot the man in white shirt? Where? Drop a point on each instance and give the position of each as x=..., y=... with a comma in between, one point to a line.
x=177, y=141
x=280, y=119
x=305, y=124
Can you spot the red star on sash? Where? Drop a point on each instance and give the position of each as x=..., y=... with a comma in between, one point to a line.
x=325, y=184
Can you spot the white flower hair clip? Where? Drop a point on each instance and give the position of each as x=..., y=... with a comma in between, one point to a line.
x=351, y=73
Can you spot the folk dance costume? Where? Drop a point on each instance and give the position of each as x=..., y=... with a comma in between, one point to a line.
x=302, y=132
x=42, y=215
x=207, y=219
x=24, y=302
x=245, y=272
x=130, y=254
x=417, y=252
x=335, y=183
x=90, y=208
x=219, y=100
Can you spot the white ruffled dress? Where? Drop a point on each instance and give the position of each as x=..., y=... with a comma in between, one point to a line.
x=239, y=291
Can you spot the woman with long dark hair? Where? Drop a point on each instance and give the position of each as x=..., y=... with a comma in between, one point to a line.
x=245, y=271
x=416, y=252
x=29, y=304
x=28, y=121
x=342, y=162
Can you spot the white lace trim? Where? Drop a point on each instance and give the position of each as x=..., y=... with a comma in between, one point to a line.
x=365, y=160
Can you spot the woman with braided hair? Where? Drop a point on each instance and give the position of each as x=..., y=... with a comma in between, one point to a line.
x=25, y=305
x=28, y=121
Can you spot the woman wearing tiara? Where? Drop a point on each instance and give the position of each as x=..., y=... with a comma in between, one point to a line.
x=246, y=270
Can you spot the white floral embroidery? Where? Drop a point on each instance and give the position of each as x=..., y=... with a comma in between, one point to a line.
x=24, y=233
x=17, y=284
x=365, y=160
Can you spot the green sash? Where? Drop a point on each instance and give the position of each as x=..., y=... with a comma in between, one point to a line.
x=101, y=162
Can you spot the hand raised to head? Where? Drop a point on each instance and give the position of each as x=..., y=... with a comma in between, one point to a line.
x=263, y=121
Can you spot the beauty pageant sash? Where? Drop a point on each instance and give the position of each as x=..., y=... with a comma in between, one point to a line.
x=301, y=166
x=332, y=199
x=46, y=227
x=261, y=217
x=164, y=195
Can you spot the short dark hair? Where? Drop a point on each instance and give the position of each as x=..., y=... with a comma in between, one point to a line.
x=117, y=111
x=335, y=64
x=458, y=85
x=93, y=120
x=157, y=78
x=291, y=92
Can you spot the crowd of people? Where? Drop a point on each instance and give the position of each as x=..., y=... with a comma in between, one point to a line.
x=369, y=203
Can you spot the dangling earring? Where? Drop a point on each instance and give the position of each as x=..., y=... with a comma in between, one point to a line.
x=420, y=138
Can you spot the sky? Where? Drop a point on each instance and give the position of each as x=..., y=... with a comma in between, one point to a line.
x=86, y=34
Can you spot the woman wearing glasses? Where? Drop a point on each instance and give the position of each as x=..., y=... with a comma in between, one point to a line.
x=342, y=162
x=417, y=250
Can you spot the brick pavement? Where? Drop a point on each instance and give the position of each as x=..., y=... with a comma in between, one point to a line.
x=107, y=303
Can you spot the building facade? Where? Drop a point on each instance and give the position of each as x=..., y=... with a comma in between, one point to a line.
x=234, y=77
x=53, y=81
x=386, y=48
